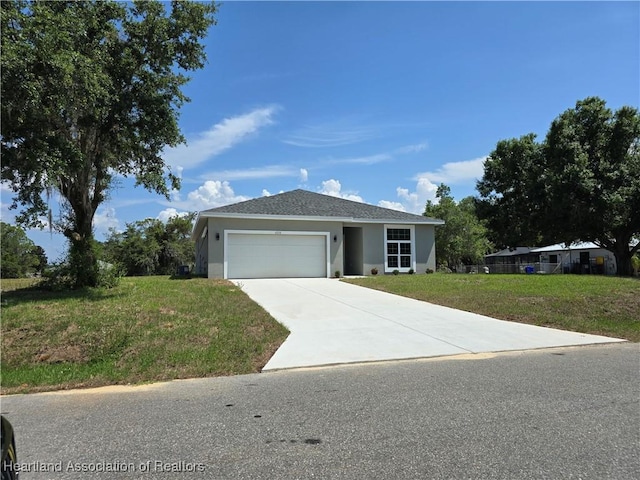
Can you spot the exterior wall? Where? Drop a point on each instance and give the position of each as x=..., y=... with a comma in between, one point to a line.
x=202, y=254
x=425, y=248
x=372, y=246
x=570, y=259
x=373, y=243
x=219, y=225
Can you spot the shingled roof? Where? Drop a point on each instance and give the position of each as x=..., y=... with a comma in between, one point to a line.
x=302, y=203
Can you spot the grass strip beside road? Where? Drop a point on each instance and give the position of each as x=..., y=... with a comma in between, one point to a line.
x=146, y=329
x=600, y=305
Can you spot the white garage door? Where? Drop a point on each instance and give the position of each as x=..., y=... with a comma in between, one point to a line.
x=278, y=255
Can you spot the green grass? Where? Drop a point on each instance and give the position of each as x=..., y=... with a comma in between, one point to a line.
x=146, y=329
x=600, y=305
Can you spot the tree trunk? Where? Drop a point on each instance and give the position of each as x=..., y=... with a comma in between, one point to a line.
x=83, y=258
x=623, y=259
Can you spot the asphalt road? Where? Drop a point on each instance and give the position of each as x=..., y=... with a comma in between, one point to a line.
x=566, y=413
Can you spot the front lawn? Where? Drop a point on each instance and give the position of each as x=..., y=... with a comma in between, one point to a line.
x=146, y=329
x=600, y=305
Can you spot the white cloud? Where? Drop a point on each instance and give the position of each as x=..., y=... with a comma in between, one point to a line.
x=392, y=205
x=365, y=160
x=413, y=202
x=379, y=157
x=304, y=175
x=330, y=134
x=269, y=171
x=104, y=219
x=168, y=213
x=212, y=194
x=332, y=187
x=418, y=147
x=453, y=173
x=218, y=138
x=266, y=193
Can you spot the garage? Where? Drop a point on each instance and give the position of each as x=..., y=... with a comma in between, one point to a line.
x=259, y=254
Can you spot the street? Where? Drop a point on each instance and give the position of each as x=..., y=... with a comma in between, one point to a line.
x=570, y=413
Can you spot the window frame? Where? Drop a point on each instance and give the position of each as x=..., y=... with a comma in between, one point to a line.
x=411, y=242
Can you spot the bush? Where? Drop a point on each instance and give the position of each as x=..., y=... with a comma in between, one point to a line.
x=336, y=274
x=374, y=271
x=60, y=276
x=411, y=272
x=635, y=264
x=429, y=270
x=444, y=269
x=109, y=275
x=396, y=272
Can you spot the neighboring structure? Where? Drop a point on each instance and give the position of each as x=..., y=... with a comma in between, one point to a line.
x=581, y=257
x=306, y=234
x=510, y=260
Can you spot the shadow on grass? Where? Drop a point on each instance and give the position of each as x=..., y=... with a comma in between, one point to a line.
x=37, y=293
x=188, y=276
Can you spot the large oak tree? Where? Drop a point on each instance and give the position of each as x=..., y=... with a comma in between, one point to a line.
x=91, y=91
x=582, y=183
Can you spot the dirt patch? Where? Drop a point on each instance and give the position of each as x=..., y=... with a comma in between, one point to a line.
x=61, y=354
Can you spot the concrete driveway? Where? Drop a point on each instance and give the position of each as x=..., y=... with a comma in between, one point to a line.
x=333, y=322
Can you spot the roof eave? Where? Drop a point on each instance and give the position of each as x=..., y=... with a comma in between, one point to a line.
x=317, y=218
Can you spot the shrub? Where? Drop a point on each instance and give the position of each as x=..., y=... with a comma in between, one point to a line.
x=396, y=272
x=60, y=276
x=109, y=275
x=374, y=271
x=429, y=270
x=337, y=274
x=411, y=272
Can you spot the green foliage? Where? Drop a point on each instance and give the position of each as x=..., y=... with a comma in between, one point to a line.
x=635, y=264
x=462, y=239
x=512, y=200
x=91, y=90
x=151, y=247
x=61, y=276
x=20, y=256
x=580, y=184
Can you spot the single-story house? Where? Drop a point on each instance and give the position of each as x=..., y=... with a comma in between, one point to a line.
x=306, y=234
x=582, y=257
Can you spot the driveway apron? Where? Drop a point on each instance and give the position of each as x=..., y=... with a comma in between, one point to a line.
x=332, y=322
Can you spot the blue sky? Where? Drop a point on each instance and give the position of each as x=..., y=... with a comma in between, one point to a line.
x=376, y=101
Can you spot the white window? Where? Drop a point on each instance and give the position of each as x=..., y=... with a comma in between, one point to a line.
x=399, y=246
